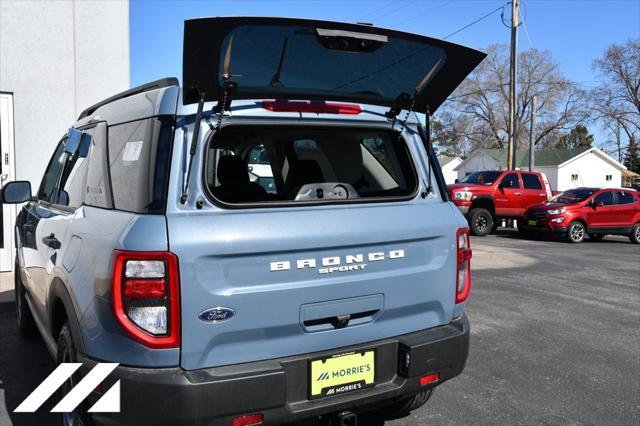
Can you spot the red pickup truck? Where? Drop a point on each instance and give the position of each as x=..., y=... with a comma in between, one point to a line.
x=484, y=197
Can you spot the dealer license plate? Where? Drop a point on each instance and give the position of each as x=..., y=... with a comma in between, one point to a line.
x=342, y=373
x=532, y=222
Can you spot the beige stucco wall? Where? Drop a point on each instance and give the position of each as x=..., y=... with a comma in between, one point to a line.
x=57, y=58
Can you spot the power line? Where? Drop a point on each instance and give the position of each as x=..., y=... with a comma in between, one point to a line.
x=526, y=32
x=474, y=22
x=375, y=11
x=433, y=9
x=402, y=6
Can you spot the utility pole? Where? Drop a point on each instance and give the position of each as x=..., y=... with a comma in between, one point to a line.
x=512, y=85
x=532, y=137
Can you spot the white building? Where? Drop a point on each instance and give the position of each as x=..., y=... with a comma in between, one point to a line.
x=56, y=59
x=565, y=168
x=448, y=166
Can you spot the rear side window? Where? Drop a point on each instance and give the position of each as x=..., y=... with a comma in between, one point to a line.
x=97, y=191
x=72, y=181
x=292, y=165
x=139, y=164
x=606, y=198
x=625, y=197
x=510, y=181
x=531, y=181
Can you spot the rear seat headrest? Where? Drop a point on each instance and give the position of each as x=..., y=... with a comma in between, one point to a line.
x=232, y=170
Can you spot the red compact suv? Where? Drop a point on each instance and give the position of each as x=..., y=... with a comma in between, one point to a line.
x=484, y=197
x=586, y=211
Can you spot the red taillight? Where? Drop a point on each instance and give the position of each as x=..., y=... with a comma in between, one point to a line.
x=314, y=107
x=146, y=297
x=145, y=289
x=250, y=420
x=430, y=378
x=463, y=267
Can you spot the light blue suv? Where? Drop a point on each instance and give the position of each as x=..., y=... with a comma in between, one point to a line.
x=328, y=288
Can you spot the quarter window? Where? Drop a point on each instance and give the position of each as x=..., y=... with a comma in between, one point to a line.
x=139, y=164
x=531, y=181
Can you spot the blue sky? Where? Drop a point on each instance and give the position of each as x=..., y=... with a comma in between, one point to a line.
x=576, y=32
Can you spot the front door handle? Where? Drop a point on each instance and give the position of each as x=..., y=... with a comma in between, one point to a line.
x=52, y=242
x=518, y=193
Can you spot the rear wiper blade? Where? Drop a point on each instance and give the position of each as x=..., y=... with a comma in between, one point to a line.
x=275, y=80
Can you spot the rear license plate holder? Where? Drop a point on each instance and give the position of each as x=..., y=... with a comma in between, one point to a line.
x=342, y=373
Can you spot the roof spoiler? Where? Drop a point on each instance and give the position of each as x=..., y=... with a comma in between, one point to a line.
x=158, y=84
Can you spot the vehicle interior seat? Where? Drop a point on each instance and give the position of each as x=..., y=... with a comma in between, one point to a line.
x=235, y=186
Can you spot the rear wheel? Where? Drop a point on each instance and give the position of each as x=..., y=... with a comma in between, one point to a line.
x=67, y=353
x=596, y=237
x=26, y=324
x=576, y=232
x=635, y=234
x=480, y=222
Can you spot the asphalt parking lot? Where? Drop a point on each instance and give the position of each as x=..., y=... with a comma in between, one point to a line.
x=555, y=340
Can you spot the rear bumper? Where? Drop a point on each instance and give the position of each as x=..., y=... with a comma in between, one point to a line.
x=279, y=388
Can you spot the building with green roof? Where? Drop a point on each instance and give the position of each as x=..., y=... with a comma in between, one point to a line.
x=565, y=168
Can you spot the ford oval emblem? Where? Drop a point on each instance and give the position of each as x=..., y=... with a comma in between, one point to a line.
x=217, y=314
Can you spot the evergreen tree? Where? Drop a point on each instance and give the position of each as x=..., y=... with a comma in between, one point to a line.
x=632, y=157
x=578, y=137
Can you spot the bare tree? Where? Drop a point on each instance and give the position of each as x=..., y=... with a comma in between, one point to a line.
x=616, y=100
x=479, y=107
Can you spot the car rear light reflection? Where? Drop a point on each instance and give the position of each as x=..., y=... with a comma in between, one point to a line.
x=146, y=299
x=250, y=420
x=313, y=107
x=463, y=275
x=429, y=378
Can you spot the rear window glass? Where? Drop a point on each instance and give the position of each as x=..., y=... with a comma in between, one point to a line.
x=292, y=59
x=139, y=164
x=288, y=165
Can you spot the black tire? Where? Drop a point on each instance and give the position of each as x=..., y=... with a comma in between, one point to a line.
x=404, y=407
x=634, y=236
x=25, y=321
x=576, y=232
x=596, y=237
x=67, y=353
x=480, y=222
x=524, y=231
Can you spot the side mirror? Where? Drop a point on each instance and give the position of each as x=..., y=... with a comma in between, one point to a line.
x=597, y=204
x=456, y=181
x=16, y=192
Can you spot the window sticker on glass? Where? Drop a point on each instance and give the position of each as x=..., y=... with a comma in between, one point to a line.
x=132, y=151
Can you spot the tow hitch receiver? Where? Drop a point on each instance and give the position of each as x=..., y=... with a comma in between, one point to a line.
x=347, y=418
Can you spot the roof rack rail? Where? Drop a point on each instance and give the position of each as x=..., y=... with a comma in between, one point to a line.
x=158, y=84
